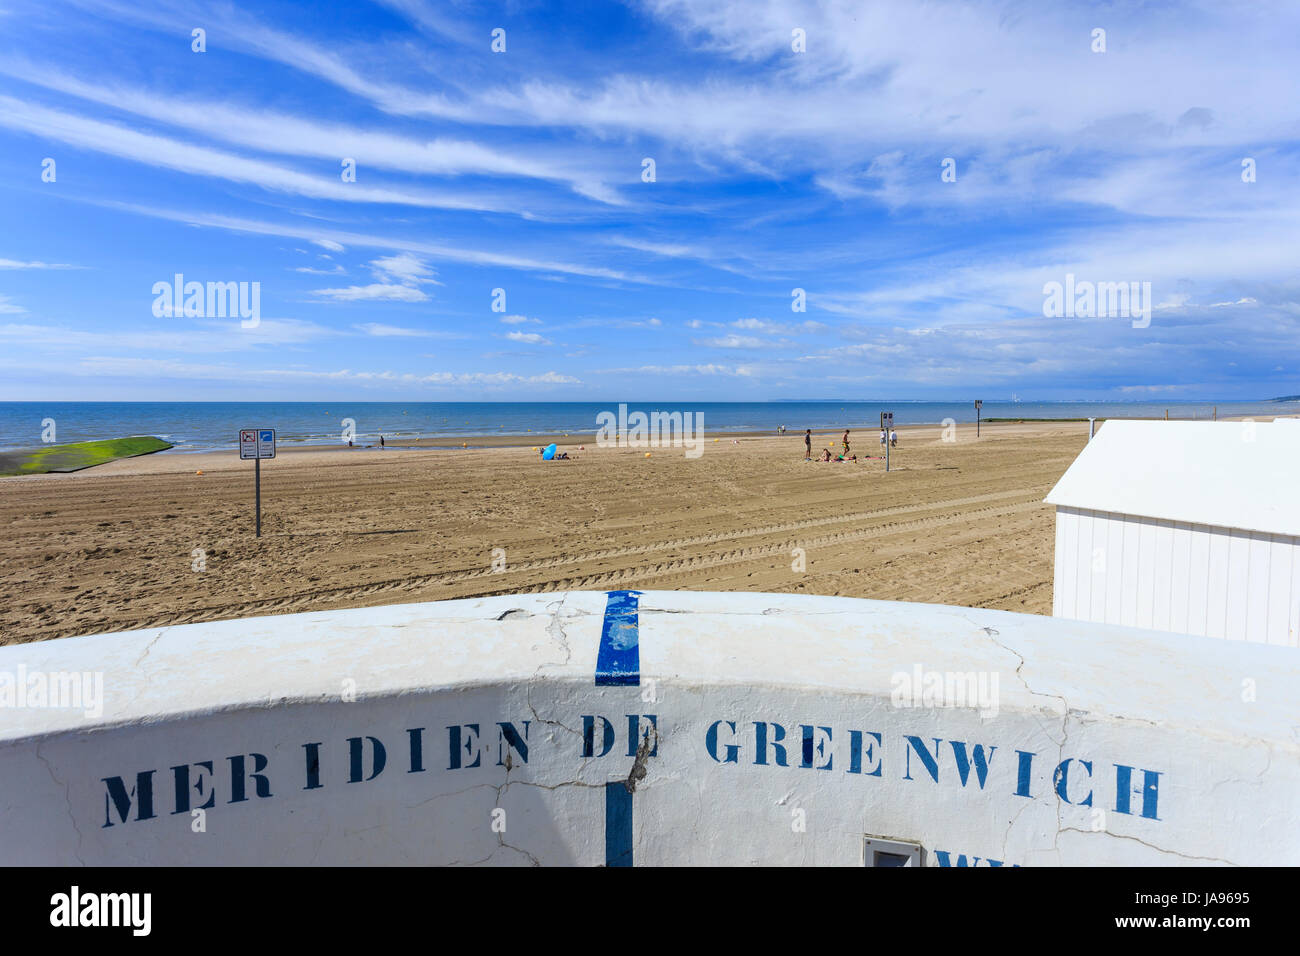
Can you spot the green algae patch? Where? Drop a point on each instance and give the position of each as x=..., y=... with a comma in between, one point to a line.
x=76, y=455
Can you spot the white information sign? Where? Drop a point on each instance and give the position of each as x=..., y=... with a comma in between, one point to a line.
x=257, y=443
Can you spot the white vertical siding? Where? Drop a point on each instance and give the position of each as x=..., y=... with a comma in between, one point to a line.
x=1198, y=578
x=1132, y=563
x=1064, y=522
x=1083, y=567
x=1176, y=576
x=1238, y=584
x=1098, y=531
x=1216, y=586
x=1258, y=578
x=1146, y=572
x=1293, y=628
x=1281, y=596
x=1164, y=568
x=1179, y=592
x=1113, y=584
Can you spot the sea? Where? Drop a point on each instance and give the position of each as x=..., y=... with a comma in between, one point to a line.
x=206, y=426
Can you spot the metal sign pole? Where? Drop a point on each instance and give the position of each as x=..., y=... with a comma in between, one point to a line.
x=978, y=405
x=257, y=443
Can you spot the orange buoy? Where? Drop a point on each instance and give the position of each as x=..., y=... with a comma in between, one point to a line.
x=199, y=472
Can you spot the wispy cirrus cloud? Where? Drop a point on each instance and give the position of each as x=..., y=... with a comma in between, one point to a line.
x=17, y=264
x=375, y=292
x=381, y=330
x=161, y=151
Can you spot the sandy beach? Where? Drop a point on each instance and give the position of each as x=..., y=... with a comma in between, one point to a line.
x=116, y=547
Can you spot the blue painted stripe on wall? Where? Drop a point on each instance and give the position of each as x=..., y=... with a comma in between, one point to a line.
x=618, y=824
x=618, y=662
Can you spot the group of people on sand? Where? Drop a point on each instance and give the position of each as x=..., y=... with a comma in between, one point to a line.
x=826, y=455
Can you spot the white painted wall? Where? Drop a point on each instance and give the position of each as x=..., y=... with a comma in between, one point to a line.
x=1101, y=745
x=1177, y=576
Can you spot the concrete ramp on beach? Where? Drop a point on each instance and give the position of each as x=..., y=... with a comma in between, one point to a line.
x=656, y=728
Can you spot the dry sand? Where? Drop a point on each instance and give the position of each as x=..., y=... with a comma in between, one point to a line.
x=112, y=548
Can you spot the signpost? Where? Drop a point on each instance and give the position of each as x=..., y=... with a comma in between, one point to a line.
x=257, y=443
x=978, y=405
x=886, y=426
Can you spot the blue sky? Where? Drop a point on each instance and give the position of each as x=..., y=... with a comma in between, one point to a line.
x=522, y=170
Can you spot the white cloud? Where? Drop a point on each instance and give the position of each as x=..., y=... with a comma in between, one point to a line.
x=393, y=331
x=210, y=336
x=14, y=264
x=329, y=244
x=778, y=328
x=732, y=342
x=374, y=292
x=166, y=368
x=531, y=338
x=184, y=157
x=295, y=136
x=404, y=268
x=707, y=370
x=433, y=250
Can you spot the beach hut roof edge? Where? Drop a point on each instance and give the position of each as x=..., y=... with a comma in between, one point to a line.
x=1238, y=475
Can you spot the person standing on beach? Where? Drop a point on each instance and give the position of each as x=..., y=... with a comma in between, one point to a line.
x=893, y=438
x=845, y=441
x=882, y=439
x=381, y=440
x=807, y=445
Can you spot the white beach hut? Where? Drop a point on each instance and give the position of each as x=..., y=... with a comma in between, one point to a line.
x=1191, y=527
